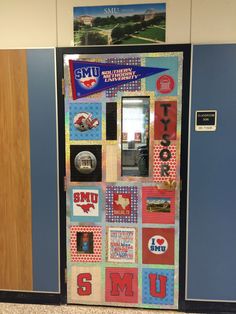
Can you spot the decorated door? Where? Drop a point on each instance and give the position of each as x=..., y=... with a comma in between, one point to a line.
x=123, y=141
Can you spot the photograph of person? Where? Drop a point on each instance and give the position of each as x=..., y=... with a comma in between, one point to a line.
x=85, y=242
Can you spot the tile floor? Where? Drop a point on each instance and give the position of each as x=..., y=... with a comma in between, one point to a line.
x=11, y=308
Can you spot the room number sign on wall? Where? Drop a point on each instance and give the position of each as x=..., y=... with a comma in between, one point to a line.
x=205, y=120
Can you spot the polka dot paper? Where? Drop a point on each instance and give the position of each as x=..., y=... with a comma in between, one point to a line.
x=128, y=87
x=96, y=233
x=164, y=170
x=153, y=291
x=122, y=204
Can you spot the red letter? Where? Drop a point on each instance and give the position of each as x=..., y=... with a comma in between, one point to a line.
x=153, y=288
x=84, y=287
x=165, y=170
x=94, y=198
x=122, y=283
x=76, y=197
x=85, y=196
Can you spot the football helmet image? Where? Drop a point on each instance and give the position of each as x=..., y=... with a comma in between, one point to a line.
x=83, y=121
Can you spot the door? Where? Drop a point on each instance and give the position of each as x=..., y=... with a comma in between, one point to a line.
x=123, y=115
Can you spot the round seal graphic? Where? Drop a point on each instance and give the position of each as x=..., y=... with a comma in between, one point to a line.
x=165, y=84
x=157, y=245
x=85, y=162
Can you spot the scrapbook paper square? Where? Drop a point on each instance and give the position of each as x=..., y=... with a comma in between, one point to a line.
x=163, y=84
x=158, y=286
x=121, y=245
x=158, y=206
x=86, y=204
x=86, y=244
x=165, y=121
x=85, y=284
x=158, y=246
x=121, y=285
x=164, y=163
x=122, y=204
x=85, y=121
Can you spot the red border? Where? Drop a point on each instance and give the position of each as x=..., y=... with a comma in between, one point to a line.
x=72, y=79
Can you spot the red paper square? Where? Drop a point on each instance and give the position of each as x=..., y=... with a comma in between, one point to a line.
x=165, y=111
x=162, y=252
x=158, y=213
x=122, y=204
x=121, y=285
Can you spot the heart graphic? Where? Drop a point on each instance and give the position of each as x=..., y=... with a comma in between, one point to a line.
x=160, y=241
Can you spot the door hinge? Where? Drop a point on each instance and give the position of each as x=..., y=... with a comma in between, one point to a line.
x=63, y=86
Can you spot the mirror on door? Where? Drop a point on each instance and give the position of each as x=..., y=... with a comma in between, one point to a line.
x=135, y=136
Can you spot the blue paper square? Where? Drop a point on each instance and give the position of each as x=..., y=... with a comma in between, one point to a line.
x=146, y=293
x=95, y=109
x=164, y=62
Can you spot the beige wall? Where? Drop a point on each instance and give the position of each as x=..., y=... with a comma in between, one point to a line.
x=213, y=21
x=48, y=23
x=27, y=23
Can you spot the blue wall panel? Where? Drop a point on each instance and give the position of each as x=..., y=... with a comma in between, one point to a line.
x=211, y=260
x=43, y=150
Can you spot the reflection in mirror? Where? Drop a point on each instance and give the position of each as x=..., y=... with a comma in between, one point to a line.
x=135, y=136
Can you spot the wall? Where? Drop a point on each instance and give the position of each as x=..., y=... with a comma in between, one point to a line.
x=48, y=23
x=211, y=257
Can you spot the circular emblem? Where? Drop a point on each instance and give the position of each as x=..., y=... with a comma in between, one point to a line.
x=165, y=84
x=83, y=121
x=85, y=162
x=157, y=245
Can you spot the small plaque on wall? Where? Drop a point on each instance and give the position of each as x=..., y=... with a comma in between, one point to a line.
x=205, y=120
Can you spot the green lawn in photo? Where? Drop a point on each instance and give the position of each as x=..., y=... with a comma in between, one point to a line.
x=89, y=38
x=77, y=37
x=133, y=41
x=106, y=27
x=153, y=33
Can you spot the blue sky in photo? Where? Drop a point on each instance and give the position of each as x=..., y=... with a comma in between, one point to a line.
x=163, y=199
x=120, y=10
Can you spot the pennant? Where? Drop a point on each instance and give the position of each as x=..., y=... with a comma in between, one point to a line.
x=91, y=77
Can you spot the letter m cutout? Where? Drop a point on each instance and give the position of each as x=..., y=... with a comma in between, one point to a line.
x=121, y=285
x=124, y=283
